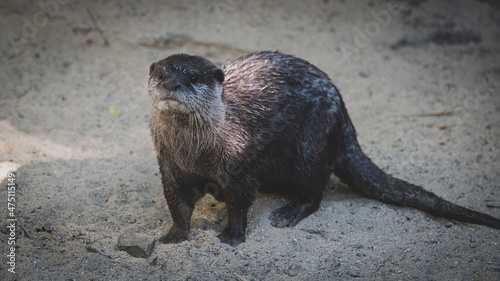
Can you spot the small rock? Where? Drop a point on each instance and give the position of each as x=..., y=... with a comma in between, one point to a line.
x=364, y=73
x=294, y=270
x=4, y=229
x=47, y=228
x=334, y=261
x=139, y=246
x=154, y=261
x=448, y=225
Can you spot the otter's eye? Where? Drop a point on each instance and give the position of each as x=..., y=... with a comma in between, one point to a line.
x=193, y=79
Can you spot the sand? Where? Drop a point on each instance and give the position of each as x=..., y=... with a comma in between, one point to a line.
x=420, y=80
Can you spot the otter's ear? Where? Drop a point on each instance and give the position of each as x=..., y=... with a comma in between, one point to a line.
x=219, y=75
x=152, y=68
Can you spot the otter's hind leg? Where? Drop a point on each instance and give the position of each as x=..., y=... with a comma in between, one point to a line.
x=307, y=193
x=290, y=214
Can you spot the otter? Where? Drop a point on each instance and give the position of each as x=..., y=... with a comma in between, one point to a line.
x=265, y=122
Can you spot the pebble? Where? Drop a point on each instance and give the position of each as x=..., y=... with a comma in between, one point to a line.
x=47, y=228
x=294, y=270
x=364, y=73
x=4, y=229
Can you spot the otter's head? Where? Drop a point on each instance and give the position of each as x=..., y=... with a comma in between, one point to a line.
x=185, y=85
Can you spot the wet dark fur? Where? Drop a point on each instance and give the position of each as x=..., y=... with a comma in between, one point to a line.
x=279, y=125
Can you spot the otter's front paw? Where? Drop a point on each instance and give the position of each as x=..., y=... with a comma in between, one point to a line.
x=175, y=235
x=230, y=237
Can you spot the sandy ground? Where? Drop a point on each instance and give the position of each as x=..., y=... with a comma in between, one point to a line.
x=74, y=128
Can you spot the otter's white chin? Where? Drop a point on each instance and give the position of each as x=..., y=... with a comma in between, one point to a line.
x=166, y=105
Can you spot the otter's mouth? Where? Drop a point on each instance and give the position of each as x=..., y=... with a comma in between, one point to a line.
x=172, y=105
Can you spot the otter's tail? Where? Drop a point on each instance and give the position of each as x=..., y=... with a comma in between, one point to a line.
x=358, y=171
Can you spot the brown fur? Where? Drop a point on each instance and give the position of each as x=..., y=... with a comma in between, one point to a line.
x=266, y=121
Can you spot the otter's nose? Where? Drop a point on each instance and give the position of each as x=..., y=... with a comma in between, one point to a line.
x=171, y=85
